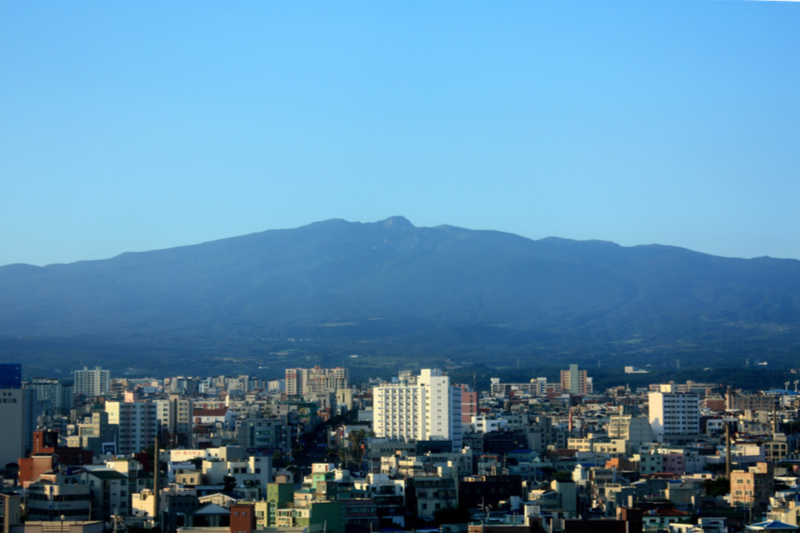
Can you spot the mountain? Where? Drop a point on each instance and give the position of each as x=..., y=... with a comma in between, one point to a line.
x=336, y=284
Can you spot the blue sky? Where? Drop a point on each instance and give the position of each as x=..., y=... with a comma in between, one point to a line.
x=144, y=125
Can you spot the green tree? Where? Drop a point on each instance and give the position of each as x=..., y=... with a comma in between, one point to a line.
x=230, y=483
x=717, y=486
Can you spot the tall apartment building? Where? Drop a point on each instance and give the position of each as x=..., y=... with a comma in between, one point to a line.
x=575, y=381
x=137, y=423
x=52, y=392
x=674, y=415
x=175, y=417
x=469, y=405
x=12, y=414
x=427, y=407
x=301, y=381
x=96, y=382
x=32, y=410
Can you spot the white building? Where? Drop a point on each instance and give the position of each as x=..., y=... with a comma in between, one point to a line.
x=137, y=424
x=484, y=424
x=92, y=383
x=674, y=415
x=427, y=407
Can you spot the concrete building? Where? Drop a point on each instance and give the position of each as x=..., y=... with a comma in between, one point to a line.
x=428, y=494
x=388, y=495
x=253, y=472
x=109, y=493
x=427, y=407
x=33, y=409
x=278, y=496
x=266, y=434
x=10, y=511
x=53, y=393
x=137, y=423
x=57, y=495
x=175, y=416
x=634, y=430
x=96, y=382
x=12, y=413
x=534, y=387
x=95, y=434
x=752, y=488
x=301, y=381
x=736, y=400
x=575, y=381
x=674, y=416
x=469, y=404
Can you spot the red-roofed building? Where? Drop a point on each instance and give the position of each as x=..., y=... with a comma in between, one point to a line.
x=222, y=418
x=660, y=519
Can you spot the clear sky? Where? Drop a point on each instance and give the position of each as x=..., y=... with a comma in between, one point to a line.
x=130, y=126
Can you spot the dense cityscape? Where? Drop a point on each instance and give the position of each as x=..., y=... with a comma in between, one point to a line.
x=399, y=267
x=316, y=453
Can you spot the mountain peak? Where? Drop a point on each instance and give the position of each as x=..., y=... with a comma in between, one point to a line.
x=397, y=222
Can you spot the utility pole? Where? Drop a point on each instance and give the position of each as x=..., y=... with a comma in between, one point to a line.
x=728, y=451
x=156, y=468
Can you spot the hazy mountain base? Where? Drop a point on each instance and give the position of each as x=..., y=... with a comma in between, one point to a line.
x=463, y=351
x=397, y=296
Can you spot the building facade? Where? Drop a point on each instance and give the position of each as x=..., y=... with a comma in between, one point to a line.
x=53, y=393
x=176, y=417
x=673, y=415
x=137, y=423
x=301, y=381
x=427, y=407
x=12, y=413
x=575, y=381
x=93, y=383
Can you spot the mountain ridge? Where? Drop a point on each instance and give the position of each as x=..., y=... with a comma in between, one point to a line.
x=425, y=283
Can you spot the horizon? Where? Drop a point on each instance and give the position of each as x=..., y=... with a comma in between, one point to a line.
x=147, y=126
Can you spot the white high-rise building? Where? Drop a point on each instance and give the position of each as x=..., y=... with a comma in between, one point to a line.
x=427, y=407
x=674, y=415
x=92, y=383
x=137, y=422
